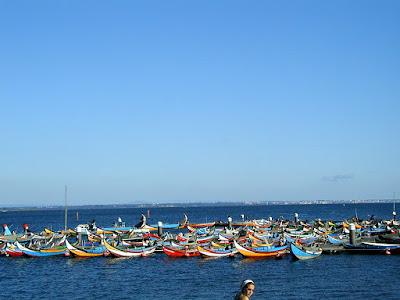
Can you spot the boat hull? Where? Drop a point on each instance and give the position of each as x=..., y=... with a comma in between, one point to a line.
x=128, y=253
x=219, y=252
x=302, y=253
x=95, y=252
x=41, y=253
x=172, y=252
x=251, y=252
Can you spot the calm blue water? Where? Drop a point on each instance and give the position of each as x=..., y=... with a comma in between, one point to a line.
x=161, y=277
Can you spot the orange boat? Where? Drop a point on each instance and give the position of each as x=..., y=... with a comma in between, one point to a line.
x=260, y=251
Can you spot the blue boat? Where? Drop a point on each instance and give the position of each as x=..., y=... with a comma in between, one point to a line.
x=335, y=240
x=167, y=225
x=303, y=253
x=122, y=229
x=61, y=250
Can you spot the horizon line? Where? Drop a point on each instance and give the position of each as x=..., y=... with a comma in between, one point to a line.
x=199, y=203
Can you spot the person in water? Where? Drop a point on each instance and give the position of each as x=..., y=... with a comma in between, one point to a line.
x=246, y=290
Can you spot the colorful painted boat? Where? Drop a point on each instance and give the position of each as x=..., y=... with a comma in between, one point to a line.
x=217, y=252
x=166, y=225
x=260, y=251
x=174, y=252
x=202, y=225
x=95, y=251
x=204, y=239
x=220, y=244
x=180, y=245
x=375, y=231
x=129, y=252
x=115, y=229
x=336, y=240
x=60, y=250
x=13, y=251
x=373, y=248
x=303, y=253
x=392, y=238
x=11, y=236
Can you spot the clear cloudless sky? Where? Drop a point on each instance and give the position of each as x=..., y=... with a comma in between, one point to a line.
x=183, y=101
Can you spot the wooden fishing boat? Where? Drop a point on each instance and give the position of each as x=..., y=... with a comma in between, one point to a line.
x=225, y=239
x=375, y=231
x=301, y=235
x=184, y=238
x=204, y=239
x=13, y=251
x=257, y=245
x=260, y=251
x=140, y=239
x=202, y=225
x=95, y=251
x=393, y=238
x=100, y=231
x=123, y=229
x=167, y=225
x=220, y=244
x=151, y=236
x=201, y=230
x=258, y=241
x=129, y=252
x=217, y=252
x=17, y=237
x=337, y=239
x=59, y=250
x=373, y=248
x=180, y=245
x=303, y=253
x=262, y=223
x=175, y=252
x=49, y=232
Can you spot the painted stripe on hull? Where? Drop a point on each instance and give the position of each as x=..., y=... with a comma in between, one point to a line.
x=120, y=253
x=39, y=253
x=251, y=253
x=217, y=253
x=81, y=253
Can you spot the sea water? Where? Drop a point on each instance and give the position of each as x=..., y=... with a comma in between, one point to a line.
x=160, y=277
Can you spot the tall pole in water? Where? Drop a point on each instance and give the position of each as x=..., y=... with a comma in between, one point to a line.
x=66, y=211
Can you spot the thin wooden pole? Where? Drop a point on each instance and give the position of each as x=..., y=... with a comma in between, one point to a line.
x=66, y=210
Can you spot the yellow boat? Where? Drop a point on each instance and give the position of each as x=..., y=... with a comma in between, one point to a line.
x=94, y=252
x=260, y=251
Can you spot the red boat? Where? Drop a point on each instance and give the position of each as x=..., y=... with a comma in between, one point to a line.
x=13, y=251
x=174, y=252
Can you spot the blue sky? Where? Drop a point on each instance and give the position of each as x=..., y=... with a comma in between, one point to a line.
x=165, y=101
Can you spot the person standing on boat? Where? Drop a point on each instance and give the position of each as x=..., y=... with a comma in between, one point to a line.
x=246, y=290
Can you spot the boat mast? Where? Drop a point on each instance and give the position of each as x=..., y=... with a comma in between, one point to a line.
x=65, y=210
x=394, y=206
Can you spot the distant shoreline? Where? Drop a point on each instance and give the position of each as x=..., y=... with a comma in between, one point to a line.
x=197, y=204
